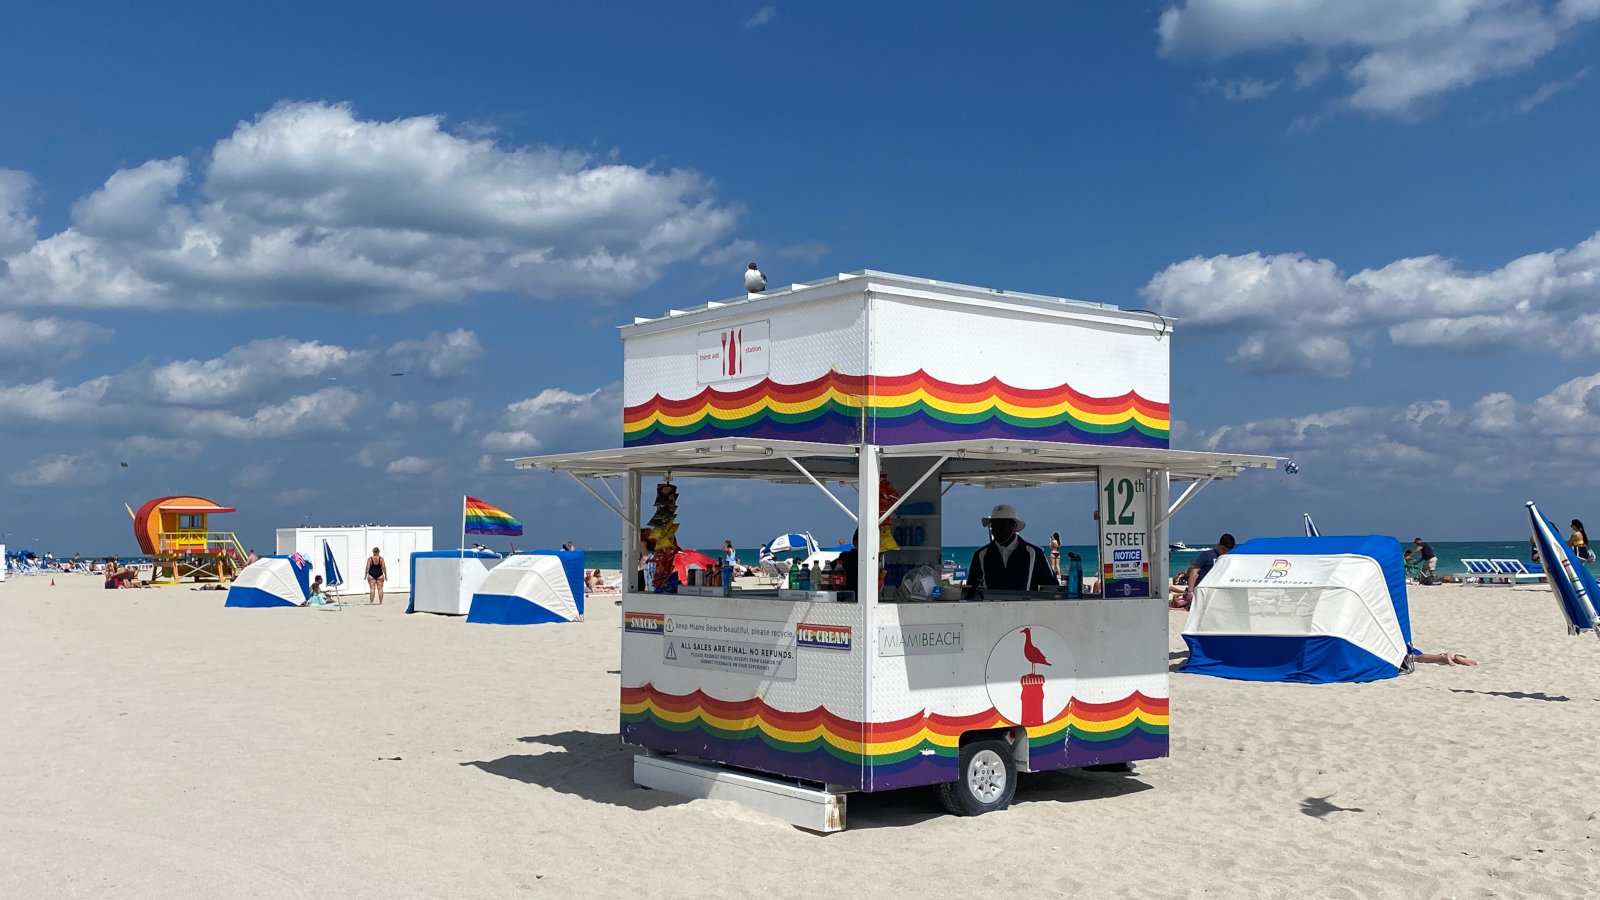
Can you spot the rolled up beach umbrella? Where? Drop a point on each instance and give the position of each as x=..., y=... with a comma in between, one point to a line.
x=1311, y=527
x=1575, y=588
x=331, y=577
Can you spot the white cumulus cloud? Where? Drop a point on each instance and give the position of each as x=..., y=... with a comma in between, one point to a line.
x=510, y=441
x=46, y=401
x=1393, y=56
x=22, y=338
x=309, y=203
x=61, y=470
x=327, y=410
x=440, y=354
x=1297, y=313
x=18, y=228
x=762, y=16
x=411, y=465
x=249, y=369
x=454, y=412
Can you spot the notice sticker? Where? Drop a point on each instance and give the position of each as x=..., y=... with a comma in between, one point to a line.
x=739, y=657
x=755, y=647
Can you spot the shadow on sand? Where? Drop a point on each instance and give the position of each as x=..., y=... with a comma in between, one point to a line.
x=1515, y=695
x=1320, y=808
x=599, y=768
x=912, y=806
x=596, y=767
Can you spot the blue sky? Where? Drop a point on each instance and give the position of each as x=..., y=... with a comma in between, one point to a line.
x=222, y=232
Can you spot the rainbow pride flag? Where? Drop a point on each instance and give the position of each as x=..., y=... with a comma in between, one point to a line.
x=486, y=518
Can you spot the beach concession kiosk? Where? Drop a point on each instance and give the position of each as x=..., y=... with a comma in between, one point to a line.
x=896, y=389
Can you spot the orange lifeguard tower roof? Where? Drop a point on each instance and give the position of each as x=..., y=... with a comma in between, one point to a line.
x=153, y=517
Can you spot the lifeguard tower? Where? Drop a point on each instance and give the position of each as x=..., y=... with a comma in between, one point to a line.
x=175, y=532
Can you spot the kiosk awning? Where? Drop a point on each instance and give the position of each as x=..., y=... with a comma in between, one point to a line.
x=991, y=462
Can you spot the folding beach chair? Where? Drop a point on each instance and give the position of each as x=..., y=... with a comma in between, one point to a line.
x=1482, y=571
x=1517, y=572
x=774, y=571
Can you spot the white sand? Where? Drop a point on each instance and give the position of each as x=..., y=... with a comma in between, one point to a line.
x=157, y=743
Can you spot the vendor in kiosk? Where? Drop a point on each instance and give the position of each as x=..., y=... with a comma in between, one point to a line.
x=1007, y=562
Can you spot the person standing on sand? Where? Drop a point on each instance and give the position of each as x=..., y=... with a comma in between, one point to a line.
x=1199, y=568
x=377, y=573
x=1578, y=540
x=1430, y=560
x=1055, y=555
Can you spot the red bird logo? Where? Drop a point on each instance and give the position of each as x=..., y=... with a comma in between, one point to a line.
x=1034, y=656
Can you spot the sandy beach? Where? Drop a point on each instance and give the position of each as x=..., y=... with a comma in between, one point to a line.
x=159, y=744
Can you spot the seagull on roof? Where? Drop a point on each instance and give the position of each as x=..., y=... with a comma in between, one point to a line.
x=754, y=281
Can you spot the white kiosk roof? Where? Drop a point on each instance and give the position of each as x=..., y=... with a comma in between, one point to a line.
x=988, y=461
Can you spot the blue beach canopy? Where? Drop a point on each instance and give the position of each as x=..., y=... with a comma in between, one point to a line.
x=1312, y=610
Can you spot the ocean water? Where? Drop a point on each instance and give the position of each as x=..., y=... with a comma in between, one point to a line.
x=1450, y=555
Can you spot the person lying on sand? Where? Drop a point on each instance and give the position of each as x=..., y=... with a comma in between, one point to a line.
x=122, y=576
x=1441, y=659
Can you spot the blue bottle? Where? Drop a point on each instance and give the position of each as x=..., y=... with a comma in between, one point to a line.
x=1074, y=577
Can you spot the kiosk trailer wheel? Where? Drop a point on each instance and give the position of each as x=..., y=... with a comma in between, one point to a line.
x=987, y=782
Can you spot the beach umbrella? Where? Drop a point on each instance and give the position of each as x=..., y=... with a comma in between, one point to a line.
x=790, y=541
x=1575, y=589
x=1311, y=527
x=330, y=568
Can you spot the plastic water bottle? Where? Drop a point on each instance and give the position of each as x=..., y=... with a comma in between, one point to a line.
x=1075, y=578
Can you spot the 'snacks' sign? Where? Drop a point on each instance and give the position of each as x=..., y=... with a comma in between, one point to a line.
x=643, y=622
x=738, y=351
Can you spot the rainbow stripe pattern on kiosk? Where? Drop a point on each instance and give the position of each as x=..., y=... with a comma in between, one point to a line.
x=904, y=409
x=818, y=744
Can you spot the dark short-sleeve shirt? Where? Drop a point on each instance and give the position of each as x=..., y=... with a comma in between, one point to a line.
x=1427, y=551
x=1203, y=563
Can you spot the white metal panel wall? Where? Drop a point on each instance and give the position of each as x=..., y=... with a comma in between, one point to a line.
x=445, y=584
x=805, y=341
x=831, y=677
x=1115, y=648
x=351, y=547
x=969, y=344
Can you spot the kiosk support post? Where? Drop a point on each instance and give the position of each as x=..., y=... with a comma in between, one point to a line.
x=1160, y=558
x=867, y=550
x=630, y=531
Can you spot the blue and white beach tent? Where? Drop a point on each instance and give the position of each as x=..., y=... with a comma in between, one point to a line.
x=1304, y=609
x=531, y=588
x=272, y=581
x=443, y=581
